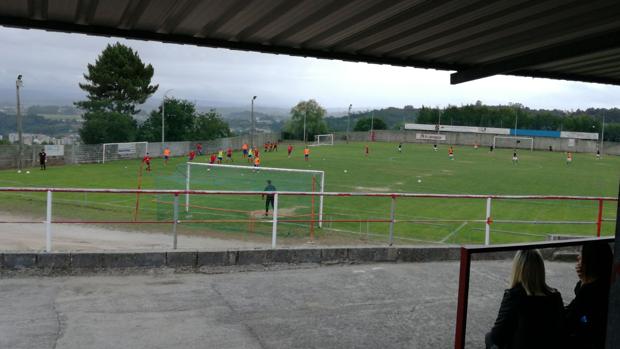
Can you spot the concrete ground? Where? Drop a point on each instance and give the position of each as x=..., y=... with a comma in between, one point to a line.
x=407, y=305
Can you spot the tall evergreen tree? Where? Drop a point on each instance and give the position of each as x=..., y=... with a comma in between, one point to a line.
x=115, y=85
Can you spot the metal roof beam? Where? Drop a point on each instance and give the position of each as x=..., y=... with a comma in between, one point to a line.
x=575, y=48
x=37, y=9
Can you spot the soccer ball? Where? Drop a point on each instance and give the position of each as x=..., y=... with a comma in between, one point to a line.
x=19, y=171
x=27, y=172
x=419, y=181
x=345, y=171
x=208, y=170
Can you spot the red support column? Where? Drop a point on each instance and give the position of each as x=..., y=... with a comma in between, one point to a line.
x=599, y=220
x=463, y=298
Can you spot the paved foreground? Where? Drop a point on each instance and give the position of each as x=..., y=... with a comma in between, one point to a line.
x=409, y=305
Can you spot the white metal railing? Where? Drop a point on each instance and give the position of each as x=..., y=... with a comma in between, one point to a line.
x=274, y=221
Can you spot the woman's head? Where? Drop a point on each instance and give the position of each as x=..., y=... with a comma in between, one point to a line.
x=596, y=261
x=528, y=269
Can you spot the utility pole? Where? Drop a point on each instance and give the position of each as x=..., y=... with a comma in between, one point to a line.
x=305, y=116
x=252, y=129
x=348, y=122
x=602, y=137
x=163, y=117
x=372, y=125
x=18, y=85
x=516, y=120
x=439, y=121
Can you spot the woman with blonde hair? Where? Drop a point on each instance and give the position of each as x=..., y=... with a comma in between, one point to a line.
x=531, y=314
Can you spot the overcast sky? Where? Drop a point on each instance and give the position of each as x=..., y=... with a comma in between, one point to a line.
x=55, y=62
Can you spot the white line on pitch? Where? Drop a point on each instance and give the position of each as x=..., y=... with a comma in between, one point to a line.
x=454, y=232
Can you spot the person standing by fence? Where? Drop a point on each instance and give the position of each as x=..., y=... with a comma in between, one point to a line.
x=43, y=159
x=269, y=197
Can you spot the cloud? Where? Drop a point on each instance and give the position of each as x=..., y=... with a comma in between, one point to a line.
x=56, y=61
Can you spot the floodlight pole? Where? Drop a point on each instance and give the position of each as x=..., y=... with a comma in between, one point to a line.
x=516, y=121
x=602, y=137
x=18, y=85
x=439, y=120
x=348, y=122
x=252, y=120
x=305, y=115
x=163, y=117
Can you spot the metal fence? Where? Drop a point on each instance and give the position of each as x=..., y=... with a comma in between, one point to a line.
x=93, y=153
x=276, y=220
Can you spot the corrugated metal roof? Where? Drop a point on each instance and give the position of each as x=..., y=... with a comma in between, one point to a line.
x=561, y=39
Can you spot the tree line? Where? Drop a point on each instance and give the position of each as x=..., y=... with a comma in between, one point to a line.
x=116, y=84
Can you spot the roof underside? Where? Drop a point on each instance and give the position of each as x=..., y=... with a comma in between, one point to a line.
x=561, y=39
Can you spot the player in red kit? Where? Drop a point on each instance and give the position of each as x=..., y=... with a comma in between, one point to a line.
x=147, y=161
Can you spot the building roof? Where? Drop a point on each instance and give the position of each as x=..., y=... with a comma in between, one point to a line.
x=560, y=39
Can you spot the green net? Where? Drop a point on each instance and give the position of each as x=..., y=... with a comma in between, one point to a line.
x=241, y=214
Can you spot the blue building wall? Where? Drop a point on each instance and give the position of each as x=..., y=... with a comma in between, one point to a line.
x=534, y=133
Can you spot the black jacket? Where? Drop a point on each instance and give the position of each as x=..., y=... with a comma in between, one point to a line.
x=528, y=322
x=586, y=316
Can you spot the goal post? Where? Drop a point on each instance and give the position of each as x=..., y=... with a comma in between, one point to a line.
x=326, y=139
x=121, y=151
x=200, y=175
x=514, y=142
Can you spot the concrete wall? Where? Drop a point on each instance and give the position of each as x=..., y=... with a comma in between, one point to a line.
x=93, y=153
x=460, y=138
x=219, y=261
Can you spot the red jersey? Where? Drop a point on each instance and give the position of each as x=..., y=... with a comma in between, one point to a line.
x=290, y=148
x=256, y=152
x=212, y=159
x=229, y=151
x=146, y=159
x=192, y=155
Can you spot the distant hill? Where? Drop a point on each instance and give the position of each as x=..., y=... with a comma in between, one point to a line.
x=393, y=118
x=37, y=124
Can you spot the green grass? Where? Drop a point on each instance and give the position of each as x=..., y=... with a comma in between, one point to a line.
x=471, y=172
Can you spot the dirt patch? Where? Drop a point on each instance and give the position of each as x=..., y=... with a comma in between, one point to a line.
x=377, y=189
x=78, y=237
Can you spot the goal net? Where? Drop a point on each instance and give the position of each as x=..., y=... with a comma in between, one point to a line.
x=244, y=213
x=121, y=151
x=513, y=142
x=327, y=139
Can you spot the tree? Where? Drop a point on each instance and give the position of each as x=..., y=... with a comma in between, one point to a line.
x=116, y=84
x=313, y=114
x=365, y=124
x=178, y=124
x=210, y=126
x=183, y=123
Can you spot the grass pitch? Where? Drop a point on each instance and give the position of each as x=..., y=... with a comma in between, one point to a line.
x=417, y=169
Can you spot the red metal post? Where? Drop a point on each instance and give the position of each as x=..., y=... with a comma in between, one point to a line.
x=463, y=298
x=599, y=220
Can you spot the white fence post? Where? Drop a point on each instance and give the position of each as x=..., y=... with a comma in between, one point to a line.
x=187, y=188
x=175, y=217
x=321, y=200
x=487, y=230
x=48, y=223
x=392, y=215
x=274, y=228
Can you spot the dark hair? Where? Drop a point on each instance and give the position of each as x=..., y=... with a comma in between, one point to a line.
x=597, y=260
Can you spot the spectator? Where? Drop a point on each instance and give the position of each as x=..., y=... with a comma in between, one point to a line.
x=586, y=315
x=531, y=313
